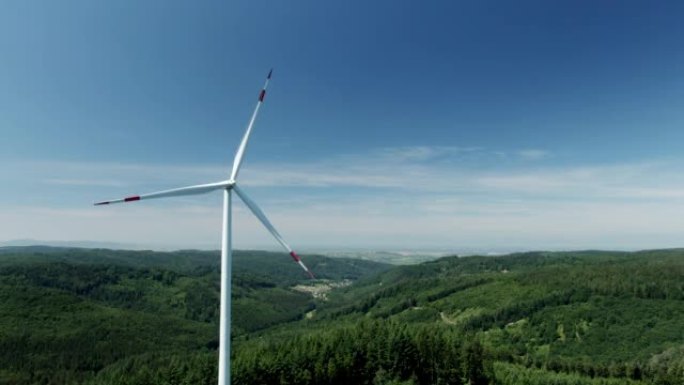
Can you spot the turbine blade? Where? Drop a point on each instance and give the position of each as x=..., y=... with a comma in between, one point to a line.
x=262, y=217
x=189, y=190
x=243, y=144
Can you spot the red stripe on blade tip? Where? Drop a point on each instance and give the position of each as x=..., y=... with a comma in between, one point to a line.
x=262, y=95
x=131, y=199
x=101, y=203
x=295, y=256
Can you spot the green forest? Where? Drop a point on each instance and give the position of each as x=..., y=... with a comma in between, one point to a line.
x=96, y=316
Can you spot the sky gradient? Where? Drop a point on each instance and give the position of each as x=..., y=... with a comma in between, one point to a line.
x=388, y=125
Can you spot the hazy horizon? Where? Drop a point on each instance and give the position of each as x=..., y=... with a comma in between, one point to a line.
x=322, y=249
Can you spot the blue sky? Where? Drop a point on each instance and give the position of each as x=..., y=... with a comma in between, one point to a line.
x=393, y=125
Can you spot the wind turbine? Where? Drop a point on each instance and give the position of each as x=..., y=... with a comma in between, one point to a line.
x=228, y=186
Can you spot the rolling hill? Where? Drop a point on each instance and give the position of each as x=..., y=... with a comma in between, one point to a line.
x=68, y=313
x=115, y=317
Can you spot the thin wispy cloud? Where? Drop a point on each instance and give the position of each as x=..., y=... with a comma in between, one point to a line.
x=533, y=154
x=83, y=182
x=379, y=170
x=421, y=153
x=405, y=196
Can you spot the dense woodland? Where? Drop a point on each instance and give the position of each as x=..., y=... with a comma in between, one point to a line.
x=70, y=316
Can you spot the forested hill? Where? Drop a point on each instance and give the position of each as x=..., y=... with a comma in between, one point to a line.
x=71, y=316
x=276, y=266
x=587, y=317
x=67, y=313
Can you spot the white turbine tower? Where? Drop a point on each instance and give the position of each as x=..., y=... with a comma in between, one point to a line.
x=228, y=186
